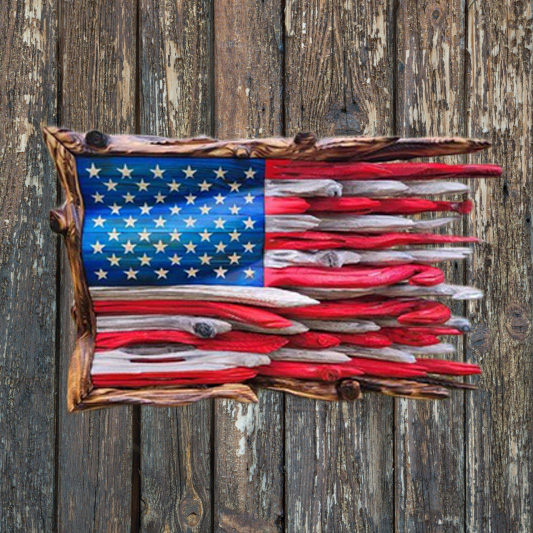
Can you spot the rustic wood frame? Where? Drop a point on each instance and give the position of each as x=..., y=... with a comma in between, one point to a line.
x=67, y=220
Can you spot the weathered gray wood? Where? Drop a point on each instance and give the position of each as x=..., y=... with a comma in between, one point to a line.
x=95, y=452
x=248, y=443
x=338, y=74
x=176, y=99
x=429, y=481
x=28, y=258
x=499, y=421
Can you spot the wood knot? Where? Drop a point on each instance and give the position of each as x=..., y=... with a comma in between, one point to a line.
x=305, y=139
x=242, y=152
x=191, y=511
x=204, y=330
x=58, y=221
x=348, y=389
x=480, y=339
x=518, y=321
x=96, y=138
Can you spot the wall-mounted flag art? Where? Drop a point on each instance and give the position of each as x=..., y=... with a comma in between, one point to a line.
x=206, y=269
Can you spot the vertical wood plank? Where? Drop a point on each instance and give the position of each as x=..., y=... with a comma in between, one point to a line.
x=28, y=258
x=248, y=443
x=175, y=68
x=98, y=56
x=499, y=419
x=339, y=468
x=429, y=452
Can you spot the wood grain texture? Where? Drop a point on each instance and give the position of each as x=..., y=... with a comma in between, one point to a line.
x=499, y=422
x=98, y=61
x=175, y=77
x=338, y=80
x=28, y=259
x=429, y=443
x=248, y=439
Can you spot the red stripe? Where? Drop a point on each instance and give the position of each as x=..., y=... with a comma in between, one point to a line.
x=285, y=169
x=242, y=313
x=312, y=340
x=324, y=372
x=314, y=240
x=148, y=379
x=410, y=311
x=234, y=341
x=369, y=339
x=452, y=368
x=409, y=337
x=290, y=205
x=352, y=277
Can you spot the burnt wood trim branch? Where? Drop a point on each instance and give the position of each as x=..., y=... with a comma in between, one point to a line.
x=67, y=221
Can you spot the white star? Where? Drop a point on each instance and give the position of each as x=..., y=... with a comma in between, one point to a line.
x=189, y=172
x=98, y=198
x=220, y=272
x=130, y=222
x=219, y=223
x=161, y=273
x=111, y=185
x=145, y=209
x=99, y=221
x=97, y=247
x=206, y=236
x=219, y=199
x=190, y=199
x=248, y=199
x=102, y=274
x=93, y=171
x=235, y=210
x=250, y=173
x=175, y=210
x=221, y=247
x=145, y=260
x=249, y=223
x=234, y=235
x=128, y=197
x=205, y=259
x=143, y=185
x=205, y=186
x=115, y=209
x=144, y=235
x=220, y=173
x=159, y=198
x=128, y=247
x=160, y=246
x=174, y=186
x=191, y=272
x=132, y=274
x=248, y=247
x=190, y=222
x=234, y=259
x=125, y=171
x=174, y=235
x=113, y=235
x=249, y=273
x=158, y=173
x=191, y=247
x=234, y=187
x=160, y=222
x=114, y=260
x=175, y=259
x=205, y=209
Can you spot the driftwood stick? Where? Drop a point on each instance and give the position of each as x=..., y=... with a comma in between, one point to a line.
x=346, y=389
x=203, y=327
x=289, y=223
x=314, y=356
x=293, y=329
x=341, y=326
x=262, y=296
x=375, y=223
x=303, y=188
x=162, y=396
x=445, y=382
x=403, y=387
x=396, y=354
x=328, y=258
x=434, y=349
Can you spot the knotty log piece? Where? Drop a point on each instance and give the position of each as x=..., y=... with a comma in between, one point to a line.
x=162, y=396
x=403, y=387
x=346, y=389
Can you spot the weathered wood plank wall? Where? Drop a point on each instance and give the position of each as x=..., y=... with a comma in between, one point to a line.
x=179, y=68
